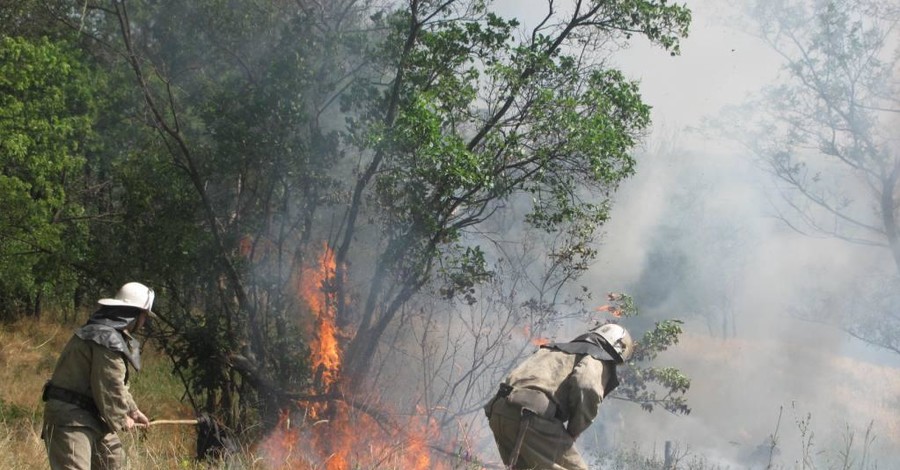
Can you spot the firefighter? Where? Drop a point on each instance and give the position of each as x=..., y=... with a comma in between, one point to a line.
x=87, y=397
x=549, y=399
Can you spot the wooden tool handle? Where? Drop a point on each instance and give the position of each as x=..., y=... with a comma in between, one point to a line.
x=173, y=421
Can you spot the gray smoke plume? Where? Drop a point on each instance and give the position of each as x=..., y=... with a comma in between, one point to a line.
x=695, y=235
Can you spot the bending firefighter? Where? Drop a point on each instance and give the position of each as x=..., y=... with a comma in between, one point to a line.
x=87, y=398
x=549, y=399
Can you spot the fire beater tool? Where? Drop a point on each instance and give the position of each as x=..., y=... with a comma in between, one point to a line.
x=212, y=439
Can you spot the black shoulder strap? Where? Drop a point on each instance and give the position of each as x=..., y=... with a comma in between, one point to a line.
x=591, y=344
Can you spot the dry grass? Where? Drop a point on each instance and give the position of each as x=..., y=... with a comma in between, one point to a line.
x=811, y=381
x=28, y=352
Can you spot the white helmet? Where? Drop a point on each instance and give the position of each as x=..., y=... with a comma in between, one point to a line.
x=133, y=294
x=619, y=338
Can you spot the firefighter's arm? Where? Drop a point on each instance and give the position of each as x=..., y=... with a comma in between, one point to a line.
x=111, y=394
x=586, y=393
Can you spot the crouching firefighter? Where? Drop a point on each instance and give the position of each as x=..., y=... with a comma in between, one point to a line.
x=87, y=397
x=549, y=399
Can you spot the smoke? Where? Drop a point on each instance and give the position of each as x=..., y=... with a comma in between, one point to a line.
x=695, y=236
x=694, y=240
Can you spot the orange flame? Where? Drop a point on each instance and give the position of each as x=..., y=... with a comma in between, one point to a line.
x=279, y=446
x=609, y=308
x=326, y=353
x=340, y=436
x=353, y=440
x=535, y=340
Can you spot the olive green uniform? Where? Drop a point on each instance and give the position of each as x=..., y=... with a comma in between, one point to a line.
x=78, y=438
x=574, y=385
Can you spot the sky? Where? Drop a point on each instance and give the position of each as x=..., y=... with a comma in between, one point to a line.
x=691, y=187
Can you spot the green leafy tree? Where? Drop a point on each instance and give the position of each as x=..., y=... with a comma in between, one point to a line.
x=469, y=119
x=393, y=134
x=46, y=112
x=217, y=186
x=204, y=190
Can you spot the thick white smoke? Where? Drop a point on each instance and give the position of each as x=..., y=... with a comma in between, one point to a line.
x=758, y=298
x=704, y=200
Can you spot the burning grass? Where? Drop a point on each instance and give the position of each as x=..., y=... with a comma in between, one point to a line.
x=354, y=438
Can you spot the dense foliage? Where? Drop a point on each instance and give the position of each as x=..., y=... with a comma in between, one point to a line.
x=240, y=140
x=47, y=111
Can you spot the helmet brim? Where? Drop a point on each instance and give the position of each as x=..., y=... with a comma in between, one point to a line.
x=122, y=303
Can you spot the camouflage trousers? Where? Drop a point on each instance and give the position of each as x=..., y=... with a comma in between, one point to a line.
x=547, y=445
x=82, y=448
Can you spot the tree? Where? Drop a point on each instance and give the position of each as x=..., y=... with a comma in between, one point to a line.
x=388, y=135
x=468, y=118
x=47, y=109
x=238, y=140
x=827, y=135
